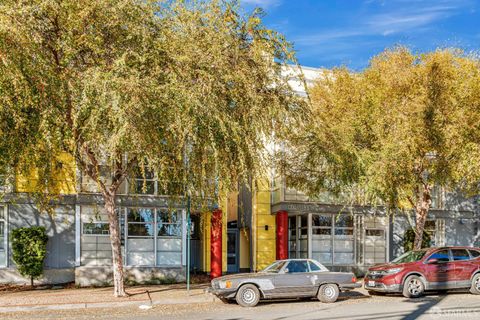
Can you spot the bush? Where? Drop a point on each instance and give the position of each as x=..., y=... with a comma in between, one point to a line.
x=29, y=247
x=409, y=239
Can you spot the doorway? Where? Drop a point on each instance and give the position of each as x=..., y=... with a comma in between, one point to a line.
x=232, y=251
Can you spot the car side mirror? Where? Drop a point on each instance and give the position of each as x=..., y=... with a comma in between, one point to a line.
x=433, y=261
x=285, y=270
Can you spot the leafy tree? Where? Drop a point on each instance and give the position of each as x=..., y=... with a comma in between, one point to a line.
x=29, y=247
x=409, y=239
x=389, y=134
x=187, y=89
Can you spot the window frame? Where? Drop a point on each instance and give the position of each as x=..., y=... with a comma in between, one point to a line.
x=136, y=178
x=152, y=223
x=178, y=223
x=342, y=228
x=330, y=234
x=95, y=234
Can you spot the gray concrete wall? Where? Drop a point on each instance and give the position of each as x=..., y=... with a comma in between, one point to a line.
x=461, y=229
x=50, y=276
x=60, y=230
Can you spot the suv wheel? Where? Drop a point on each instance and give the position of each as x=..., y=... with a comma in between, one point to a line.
x=248, y=295
x=413, y=287
x=328, y=293
x=475, y=288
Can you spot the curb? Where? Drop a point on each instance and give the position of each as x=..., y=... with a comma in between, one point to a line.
x=71, y=306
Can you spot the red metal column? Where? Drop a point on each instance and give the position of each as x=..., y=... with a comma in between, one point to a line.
x=216, y=244
x=282, y=235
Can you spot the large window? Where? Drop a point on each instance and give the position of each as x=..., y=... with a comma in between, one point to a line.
x=344, y=225
x=322, y=224
x=144, y=182
x=322, y=238
x=141, y=222
x=154, y=237
x=169, y=224
x=343, y=240
x=302, y=232
x=292, y=237
x=332, y=238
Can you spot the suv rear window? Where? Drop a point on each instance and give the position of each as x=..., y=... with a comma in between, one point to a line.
x=474, y=253
x=460, y=254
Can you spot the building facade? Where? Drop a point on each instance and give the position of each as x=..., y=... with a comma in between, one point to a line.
x=250, y=229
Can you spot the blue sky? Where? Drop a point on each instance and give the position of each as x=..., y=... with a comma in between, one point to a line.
x=330, y=33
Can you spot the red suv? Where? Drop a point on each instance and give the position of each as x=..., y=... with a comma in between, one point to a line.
x=418, y=271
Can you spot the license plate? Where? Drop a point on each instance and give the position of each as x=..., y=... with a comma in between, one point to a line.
x=371, y=283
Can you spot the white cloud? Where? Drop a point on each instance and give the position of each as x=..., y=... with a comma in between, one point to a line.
x=405, y=20
x=262, y=3
x=401, y=17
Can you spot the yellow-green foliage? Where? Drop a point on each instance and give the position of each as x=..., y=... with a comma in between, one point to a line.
x=394, y=130
x=177, y=84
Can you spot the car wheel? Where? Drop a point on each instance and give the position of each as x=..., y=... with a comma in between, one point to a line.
x=475, y=288
x=248, y=295
x=328, y=293
x=413, y=287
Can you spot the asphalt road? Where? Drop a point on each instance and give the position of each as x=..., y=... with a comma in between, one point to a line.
x=356, y=306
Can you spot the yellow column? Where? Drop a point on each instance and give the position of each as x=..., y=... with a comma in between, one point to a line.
x=264, y=224
x=206, y=224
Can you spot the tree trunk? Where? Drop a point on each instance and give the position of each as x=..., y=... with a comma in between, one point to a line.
x=117, y=261
x=421, y=213
x=31, y=282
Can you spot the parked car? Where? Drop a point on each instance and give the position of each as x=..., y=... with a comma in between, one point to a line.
x=292, y=278
x=418, y=271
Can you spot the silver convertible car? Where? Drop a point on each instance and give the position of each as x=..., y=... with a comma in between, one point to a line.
x=292, y=278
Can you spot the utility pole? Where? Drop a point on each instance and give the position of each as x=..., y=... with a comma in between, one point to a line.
x=188, y=243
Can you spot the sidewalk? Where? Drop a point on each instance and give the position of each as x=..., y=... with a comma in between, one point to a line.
x=62, y=299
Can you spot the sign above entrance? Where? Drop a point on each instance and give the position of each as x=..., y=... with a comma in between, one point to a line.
x=313, y=207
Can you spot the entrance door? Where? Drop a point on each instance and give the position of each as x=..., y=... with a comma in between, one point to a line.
x=3, y=236
x=232, y=250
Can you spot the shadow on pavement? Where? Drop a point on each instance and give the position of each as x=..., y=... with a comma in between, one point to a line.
x=143, y=290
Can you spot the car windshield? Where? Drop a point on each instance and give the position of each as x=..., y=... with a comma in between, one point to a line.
x=275, y=267
x=410, y=256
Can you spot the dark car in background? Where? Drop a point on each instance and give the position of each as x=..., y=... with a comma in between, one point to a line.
x=430, y=269
x=292, y=278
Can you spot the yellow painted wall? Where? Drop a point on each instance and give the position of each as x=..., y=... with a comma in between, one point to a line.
x=205, y=222
x=265, y=244
x=244, y=249
x=64, y=177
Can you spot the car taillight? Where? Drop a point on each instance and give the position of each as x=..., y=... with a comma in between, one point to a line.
x=354, y=279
